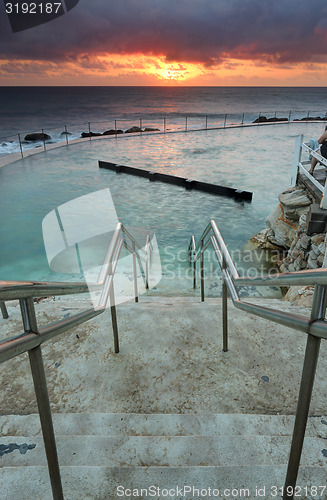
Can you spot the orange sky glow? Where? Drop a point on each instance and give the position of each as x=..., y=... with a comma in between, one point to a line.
x=140, y=69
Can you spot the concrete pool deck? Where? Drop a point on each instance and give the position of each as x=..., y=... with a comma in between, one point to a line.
x=171, y=361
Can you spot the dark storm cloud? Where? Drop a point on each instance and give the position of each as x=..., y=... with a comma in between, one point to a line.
x=202, y=31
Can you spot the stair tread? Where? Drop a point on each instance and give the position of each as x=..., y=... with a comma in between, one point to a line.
x=160, y=424
x=163, y=450
x=96, y=483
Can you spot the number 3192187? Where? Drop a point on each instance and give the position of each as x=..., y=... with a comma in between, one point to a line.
x=32, y=8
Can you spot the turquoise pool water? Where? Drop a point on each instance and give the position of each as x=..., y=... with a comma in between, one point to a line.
x=257, y=159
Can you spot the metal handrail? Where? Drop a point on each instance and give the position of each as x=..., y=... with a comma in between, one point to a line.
x=219, y=122
x=30, y=341
x=315, y=326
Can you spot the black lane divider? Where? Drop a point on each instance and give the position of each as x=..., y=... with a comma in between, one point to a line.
x=237, y=194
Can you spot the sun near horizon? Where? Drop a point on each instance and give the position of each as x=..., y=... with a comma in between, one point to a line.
x=140, y=69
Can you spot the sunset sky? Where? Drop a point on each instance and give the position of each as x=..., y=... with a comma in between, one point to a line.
x=171, y=42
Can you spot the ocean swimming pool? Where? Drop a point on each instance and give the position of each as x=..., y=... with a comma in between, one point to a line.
x=257, y=159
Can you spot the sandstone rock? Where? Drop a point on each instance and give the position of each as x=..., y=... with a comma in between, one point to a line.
x=295, y=202
x=65, y=133
x=305, y=241
x=150, y=129
x=297, y=266
x=282, y=233
x=315, y=249
x=313, y=255
x=298, y=263
x=318, y=238
x=295, y=213
x=300, y=296
x=294, y=197
x=276, y=214
x=312, y=263
x=260, y=240
x=320, y=260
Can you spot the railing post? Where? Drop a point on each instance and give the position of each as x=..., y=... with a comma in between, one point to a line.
x=194, y=272
x=206, y=122
x=242, y=118
x=289, y=115
x=116, y=128
x=4, y=311
x=186, y=124
x=43, y=140
x=147, y=263
x=164, y=125
x=225, y=313
x=89, y=124
x=296, y=159
x=42, y=397
x=66, y=134
x=225, y=120
x=275, y=117
x=308, y=375
x=20, y=145
x=141, y=125
x=202, y=272
x=113, y=315
x=136, y=294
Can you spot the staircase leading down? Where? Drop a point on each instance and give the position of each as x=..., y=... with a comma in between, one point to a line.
x=104, y=455
x=171, y=410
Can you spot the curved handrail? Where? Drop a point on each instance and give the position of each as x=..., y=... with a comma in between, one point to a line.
x=315, y=326
x=305, y=277
x=232, y=280
x=31, y=339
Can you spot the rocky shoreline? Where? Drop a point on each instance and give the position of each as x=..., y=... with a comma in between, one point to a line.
x=289, y=233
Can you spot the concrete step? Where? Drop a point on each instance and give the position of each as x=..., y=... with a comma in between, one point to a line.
x=105, y=483
x=124, y=424
x=168, y=451
x=170, y=361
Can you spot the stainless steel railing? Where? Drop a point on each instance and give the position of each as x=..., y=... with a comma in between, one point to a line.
x=33, y=337
x=315, y=327
x=166, y=124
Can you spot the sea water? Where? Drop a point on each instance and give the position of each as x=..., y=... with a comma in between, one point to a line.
x=80, y=109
